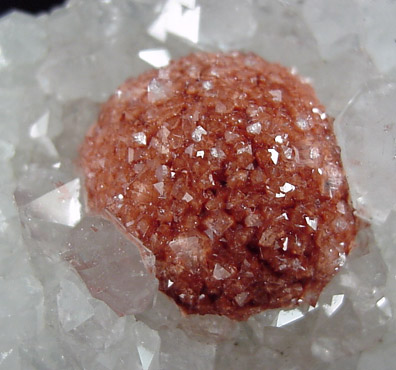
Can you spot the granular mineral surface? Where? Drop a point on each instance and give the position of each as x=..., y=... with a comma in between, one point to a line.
x=226, y=167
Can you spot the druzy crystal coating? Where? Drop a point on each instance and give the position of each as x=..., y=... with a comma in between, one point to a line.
x=226, y=167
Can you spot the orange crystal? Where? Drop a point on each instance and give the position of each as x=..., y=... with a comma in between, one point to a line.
x=226, y=167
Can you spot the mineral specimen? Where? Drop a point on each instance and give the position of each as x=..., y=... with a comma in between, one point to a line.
x=226, y=167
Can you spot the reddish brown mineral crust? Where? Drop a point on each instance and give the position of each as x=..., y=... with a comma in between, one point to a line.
x=226, y=167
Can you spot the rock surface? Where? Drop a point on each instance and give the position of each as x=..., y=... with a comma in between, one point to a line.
x=55, y=68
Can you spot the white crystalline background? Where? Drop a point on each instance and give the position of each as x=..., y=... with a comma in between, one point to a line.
x=55, y=69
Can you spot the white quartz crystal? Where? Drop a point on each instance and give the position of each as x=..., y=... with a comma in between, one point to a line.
x=155, y=57
x=331, y=22
x=61, y=205
x=209, y=328
x=288, y=316
x=111, y=266
x=367, y=135
x=178, y=17
x=23, y=40
x=239, y=14
x=148, y=345
x=378, y=41
x=73, y=306
x=180, y=352
x=75, y=293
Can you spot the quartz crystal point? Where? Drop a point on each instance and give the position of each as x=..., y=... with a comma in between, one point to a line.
x=226, y=167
